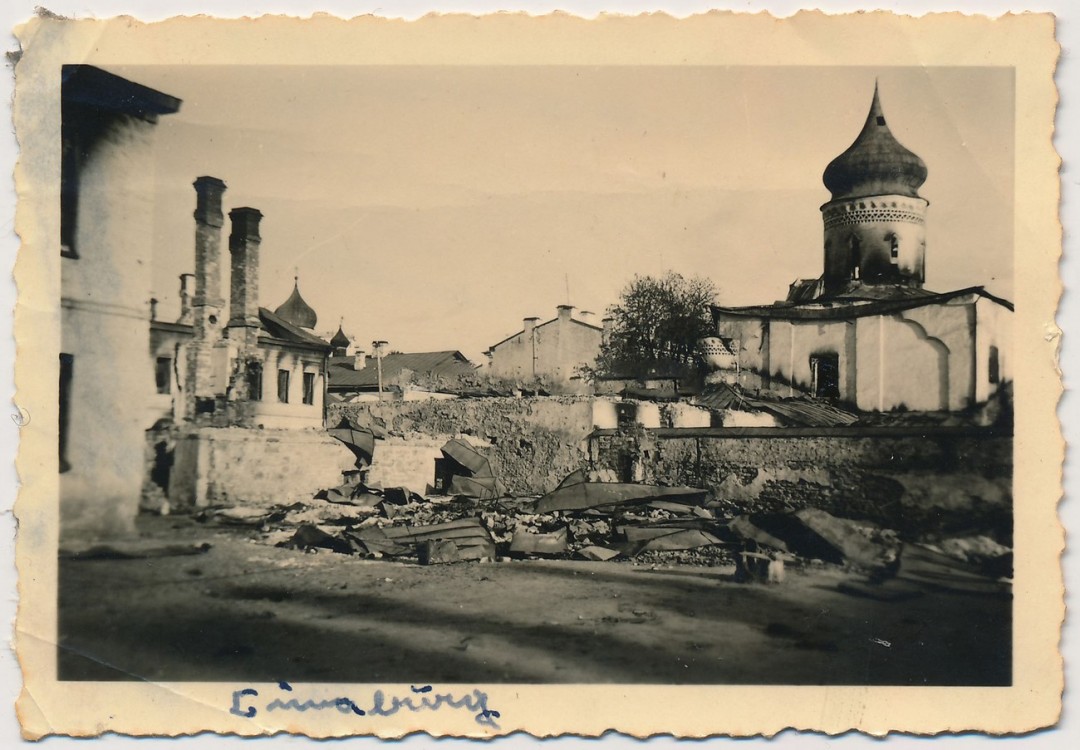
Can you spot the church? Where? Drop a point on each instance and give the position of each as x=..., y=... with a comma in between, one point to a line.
x=867, y=332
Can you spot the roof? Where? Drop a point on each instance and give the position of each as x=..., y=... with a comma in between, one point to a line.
x=340, y=340
x=296, y=311
x=280, y=328
x=93, y=87
x=598, y=329
x=857, y=303
x=272, y=325
x=876, y=163
x=806, y=412
x=445, y=364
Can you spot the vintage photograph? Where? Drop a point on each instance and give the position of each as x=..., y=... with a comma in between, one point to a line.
x=536, y=374
x=482, y=375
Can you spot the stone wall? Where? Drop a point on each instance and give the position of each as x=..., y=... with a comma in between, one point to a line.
x=534, y=442
x=401, y=462
x=936, y=481
x=254, y=467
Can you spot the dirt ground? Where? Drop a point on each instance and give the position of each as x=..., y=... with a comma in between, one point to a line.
x=247, y=611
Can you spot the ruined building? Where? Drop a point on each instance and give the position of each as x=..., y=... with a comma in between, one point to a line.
x=867, y=331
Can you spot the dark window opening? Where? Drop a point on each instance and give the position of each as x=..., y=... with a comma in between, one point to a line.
x=163, y=374
x=825, y=375
x=283, y=386
x=309, y=388
x=894, y=246
x=67, y=362
x=254, y=381
x=881, y=120
x=994, y=366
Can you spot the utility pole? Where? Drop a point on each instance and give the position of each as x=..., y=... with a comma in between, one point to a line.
x=378, y=347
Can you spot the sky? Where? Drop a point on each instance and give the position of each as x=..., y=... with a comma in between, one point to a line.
x=434, y=207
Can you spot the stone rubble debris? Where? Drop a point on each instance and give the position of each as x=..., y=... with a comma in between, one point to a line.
x=586, y=518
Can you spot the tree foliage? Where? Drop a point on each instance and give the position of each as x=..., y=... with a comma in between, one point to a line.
x=656, y=325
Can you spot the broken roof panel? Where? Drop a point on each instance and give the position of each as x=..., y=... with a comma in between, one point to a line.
x=600, y=494
x=466, y=456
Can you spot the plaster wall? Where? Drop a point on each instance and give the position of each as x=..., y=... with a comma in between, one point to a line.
x=553, y=351
x=993, y=329
x=792, y=343
x=105, y=327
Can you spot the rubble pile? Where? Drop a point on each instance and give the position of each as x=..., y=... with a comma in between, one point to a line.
x=590, y=517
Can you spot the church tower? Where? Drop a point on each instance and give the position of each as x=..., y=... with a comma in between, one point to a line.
x=875, y=224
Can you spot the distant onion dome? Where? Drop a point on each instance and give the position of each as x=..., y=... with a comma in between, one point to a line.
x=340, y=340
x=875, y=164
x=296, y=311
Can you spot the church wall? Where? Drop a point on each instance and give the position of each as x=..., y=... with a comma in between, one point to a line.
x=750, y=335
x=792, y=343
x=993, y=328
x=920, y=360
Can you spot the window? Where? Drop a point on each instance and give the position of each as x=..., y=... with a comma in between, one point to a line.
x=283, y=386
x=67, y=362
x=825, y=375
x=254, y=381
x=163, y=374
x=994, y=365
x=894, y=246
x=309, y=388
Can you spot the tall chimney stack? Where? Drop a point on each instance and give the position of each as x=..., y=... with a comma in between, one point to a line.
x=203, y=381
x=244, y=277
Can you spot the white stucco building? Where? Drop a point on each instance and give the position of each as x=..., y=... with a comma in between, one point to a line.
x=867, y=332
x=106, y=233
x=554, y=351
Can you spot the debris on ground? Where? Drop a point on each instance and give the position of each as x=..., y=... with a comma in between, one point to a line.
x=587, y=518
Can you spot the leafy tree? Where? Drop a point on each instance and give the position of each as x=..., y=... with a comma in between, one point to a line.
x=656, y=326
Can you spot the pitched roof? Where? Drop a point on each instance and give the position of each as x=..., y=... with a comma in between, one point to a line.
x=280, y=328
x=541, y=325
x=445, y=364
x=885, y=300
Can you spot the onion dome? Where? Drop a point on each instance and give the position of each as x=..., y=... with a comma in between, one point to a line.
x=296, y=311
x=875, y=164
x=340, y=340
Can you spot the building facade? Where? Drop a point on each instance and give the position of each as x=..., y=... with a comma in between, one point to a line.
x=867, y=332
x=554, y=351
x=107, y=134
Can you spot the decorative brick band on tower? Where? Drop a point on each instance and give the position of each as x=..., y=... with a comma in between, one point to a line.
x=244, y=280
x=203, y=379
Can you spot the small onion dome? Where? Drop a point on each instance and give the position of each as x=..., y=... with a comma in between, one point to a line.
x=875, y=164
x=296, y=311
x=340, y=340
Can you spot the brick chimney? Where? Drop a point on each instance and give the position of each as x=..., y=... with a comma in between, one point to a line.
x=529, y=324
x=359, y=359
x=587, y=316
x=185, y=298
x=608, y=325
x=566, y=313
x=205, y=375
x=244, y=277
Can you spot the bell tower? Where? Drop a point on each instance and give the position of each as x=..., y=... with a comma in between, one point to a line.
x=875, y=223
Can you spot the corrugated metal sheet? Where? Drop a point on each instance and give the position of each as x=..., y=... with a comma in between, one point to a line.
x=806, y=412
